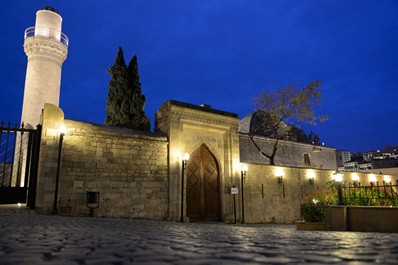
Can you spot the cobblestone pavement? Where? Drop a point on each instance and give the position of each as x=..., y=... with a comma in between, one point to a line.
x=27, y=238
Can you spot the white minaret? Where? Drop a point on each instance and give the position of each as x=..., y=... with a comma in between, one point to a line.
x=46, y=47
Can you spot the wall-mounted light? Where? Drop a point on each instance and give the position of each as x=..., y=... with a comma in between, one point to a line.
x=387, y=179
x=372, y=179
x=185, y=159
x=279, y=175
x=355, y=179
x=311, y=180
x=338, y=177
x=311, y=177
x=280, y=179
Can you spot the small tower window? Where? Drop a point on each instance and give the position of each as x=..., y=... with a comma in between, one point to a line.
x=307, y=161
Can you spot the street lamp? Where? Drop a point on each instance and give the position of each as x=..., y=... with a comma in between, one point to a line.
x=62, y=132
x=338, y=177
x=184, y=166
x=242, y=179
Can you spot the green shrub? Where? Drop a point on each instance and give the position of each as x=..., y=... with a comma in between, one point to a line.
x=313, y=211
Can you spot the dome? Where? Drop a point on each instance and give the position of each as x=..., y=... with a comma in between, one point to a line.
x=258, y=123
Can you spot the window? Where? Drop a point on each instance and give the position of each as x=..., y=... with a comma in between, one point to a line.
x=307, y=161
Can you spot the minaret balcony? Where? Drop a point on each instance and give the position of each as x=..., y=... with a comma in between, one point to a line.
x=48, y=33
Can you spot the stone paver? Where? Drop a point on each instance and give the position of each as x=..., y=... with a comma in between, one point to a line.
x=27, y=238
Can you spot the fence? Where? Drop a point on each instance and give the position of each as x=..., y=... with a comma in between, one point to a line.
x=384, y=194
x=19, y=149
x=8, y=141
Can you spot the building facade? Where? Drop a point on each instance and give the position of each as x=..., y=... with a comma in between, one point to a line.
x=146, y=175
x=342, y=156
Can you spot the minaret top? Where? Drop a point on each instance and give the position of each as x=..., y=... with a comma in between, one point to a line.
x=49, y=8
x=49, y=25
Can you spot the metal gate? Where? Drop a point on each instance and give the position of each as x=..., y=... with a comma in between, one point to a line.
x=19, y=156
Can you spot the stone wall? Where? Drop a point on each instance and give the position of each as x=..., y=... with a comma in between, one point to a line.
x=288, y=154
x=268, y=200
x=128, y=168
x=139, y=174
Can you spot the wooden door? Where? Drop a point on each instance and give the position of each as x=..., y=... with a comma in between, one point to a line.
x=203, y=186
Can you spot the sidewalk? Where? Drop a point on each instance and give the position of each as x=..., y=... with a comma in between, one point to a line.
x=28, y=238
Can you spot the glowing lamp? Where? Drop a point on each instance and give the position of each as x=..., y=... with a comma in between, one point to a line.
x=372, y=178
x=338, y=177
x=63, y=130
x=244, y=169
x=355, y=177
x=387, y=179
x=311, y=177
x=186, y=157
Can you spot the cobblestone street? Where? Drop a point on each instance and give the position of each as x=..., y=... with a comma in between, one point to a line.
x=27, y=238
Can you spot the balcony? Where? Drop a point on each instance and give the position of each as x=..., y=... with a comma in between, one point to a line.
x=48, y=33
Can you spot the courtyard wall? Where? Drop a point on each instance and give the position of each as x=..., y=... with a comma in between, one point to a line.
x=268, y=200
x=128, y=168
x=139, y=174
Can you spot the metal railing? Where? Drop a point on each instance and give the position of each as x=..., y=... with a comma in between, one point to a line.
x=376, y=193
x=47, y=32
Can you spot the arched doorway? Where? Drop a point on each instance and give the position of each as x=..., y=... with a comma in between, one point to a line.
x=203, y=186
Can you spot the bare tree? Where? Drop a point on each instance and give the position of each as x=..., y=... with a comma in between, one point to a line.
x=276, y=108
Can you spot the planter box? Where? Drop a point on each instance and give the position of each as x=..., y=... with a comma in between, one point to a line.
x=373, y=219
x=362, y=218
x=336, y=218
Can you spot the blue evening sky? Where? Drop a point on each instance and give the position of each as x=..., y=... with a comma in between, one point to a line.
x=222, y=53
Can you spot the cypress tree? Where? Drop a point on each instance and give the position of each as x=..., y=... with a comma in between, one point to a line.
x=125, y=104
x=137, y=103
x=116, y=89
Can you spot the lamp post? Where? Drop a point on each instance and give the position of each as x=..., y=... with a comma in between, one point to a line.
x=184, y=167
x=242, y=179
x=62, y=131
x=338, y=177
